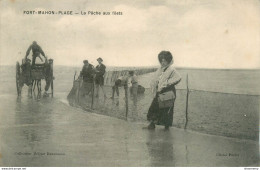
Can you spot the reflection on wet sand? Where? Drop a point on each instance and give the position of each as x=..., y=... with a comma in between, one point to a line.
x=32, y=126
x=32, y=113
x=160, y=148
x=87, y=139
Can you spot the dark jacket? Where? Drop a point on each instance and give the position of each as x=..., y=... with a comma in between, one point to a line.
x=87, y=73
x=48, y=71
x=36, y=50
x=100, y=70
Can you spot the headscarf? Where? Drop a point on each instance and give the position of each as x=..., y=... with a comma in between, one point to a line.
x=155, y=82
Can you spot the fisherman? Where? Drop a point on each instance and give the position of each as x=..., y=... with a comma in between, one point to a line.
x=99, y=79
x=48, y=76
x=121, y=81
x=36, y=51
x=134, y=88
x=26, y=76
x=87, y=73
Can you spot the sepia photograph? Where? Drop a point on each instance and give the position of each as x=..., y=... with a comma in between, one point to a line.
x=129, y=83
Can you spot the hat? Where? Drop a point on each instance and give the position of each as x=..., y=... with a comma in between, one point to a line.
x=100, y=59
x=28, y=59
x=85, y=61
x=165, y=55
x=50, y=59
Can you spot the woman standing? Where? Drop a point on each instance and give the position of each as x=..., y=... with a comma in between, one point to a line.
x=163, y=88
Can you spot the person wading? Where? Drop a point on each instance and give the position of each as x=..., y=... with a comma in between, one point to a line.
x=121, y=81
x=99, y=79
x=87, y=73
x=134, y=88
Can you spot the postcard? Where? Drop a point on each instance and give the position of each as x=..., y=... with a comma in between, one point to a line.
x=132, y=83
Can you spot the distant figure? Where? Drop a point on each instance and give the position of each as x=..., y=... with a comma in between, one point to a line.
x=99, y=79
x=87, y=73
x=36, y=51
x=163, y=86
x=134, y=88
x=26, y=76
x=48, y=76
x=121, y=81
x=140, y=90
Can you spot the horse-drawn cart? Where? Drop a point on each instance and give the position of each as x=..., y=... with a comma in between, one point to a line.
x=32, y=76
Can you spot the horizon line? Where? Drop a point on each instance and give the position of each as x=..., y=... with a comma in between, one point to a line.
x=156, y=66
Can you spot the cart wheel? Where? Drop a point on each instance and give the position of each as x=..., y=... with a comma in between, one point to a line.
x=18, y=74
x=52, y=88
x=52, y=78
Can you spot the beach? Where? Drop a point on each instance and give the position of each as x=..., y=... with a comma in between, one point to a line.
x=52, y=132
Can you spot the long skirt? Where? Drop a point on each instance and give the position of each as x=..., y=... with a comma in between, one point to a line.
x=160, y=116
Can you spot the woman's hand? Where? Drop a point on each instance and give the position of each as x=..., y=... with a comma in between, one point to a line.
x=164, y=85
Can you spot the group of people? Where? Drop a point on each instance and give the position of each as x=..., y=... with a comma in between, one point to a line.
x=27, y=66
x=124, y=81
x=163, y=87
x=163, y=84
x=91, y=75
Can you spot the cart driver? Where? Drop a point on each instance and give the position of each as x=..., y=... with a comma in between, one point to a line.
x=36, y=51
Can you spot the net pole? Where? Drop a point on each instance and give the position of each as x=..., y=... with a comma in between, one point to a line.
x=187, y=101
x=92, y=96
x=75, y=76
x=126, y=102
x=78, y=93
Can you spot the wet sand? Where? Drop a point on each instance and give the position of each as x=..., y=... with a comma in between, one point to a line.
x=49, y=132
x=220, y=114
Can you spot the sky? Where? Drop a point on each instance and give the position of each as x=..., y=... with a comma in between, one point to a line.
x=199, y=33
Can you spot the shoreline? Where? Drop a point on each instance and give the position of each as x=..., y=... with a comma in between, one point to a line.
x=119, y=68
x=144, y=123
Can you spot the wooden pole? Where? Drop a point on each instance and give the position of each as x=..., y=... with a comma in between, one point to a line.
x=17, y=78
x=93, y=90
x=30, y=89
x=34, y=83
x=187, y=101
x=75, y=75
x=52, y=89
x=78, y=93
x=40, y=86
x=126, y=102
